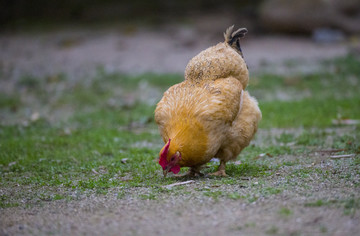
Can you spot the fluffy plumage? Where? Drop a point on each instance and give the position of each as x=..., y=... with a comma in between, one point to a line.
x=209, y=114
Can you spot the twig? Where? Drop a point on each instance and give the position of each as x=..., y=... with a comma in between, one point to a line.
x=94, y=171
x=342, y=156
x=74, y=159
x=331, y=150
x=345, y=122
x=179, y=183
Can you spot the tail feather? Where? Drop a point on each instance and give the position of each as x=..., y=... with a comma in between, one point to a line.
x=228, y=32
x=233, y=38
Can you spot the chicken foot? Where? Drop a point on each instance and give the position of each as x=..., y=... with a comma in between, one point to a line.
x=194, y=171
x=221, y=170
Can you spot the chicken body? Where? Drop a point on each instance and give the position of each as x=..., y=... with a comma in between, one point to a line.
x=208, y=114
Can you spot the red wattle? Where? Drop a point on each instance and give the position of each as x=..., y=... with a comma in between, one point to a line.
x=163, y=156
x=175, y=169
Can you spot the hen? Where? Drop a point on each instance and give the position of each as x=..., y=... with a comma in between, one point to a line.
x=208, y=114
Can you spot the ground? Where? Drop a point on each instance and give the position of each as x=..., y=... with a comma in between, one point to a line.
x=78, y=143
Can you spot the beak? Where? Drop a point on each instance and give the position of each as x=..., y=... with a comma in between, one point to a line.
x=165, y=172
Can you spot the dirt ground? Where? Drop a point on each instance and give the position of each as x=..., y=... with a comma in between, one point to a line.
x=177, y=216
x=186, y=210
x=78, y=54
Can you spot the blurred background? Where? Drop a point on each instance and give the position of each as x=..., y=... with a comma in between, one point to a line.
x=144, y=32
x=56, y=45
x=258, y=15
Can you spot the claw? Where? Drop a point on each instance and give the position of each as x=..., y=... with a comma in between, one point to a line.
x=221, y=170
x=191, y=173
x=219, y=173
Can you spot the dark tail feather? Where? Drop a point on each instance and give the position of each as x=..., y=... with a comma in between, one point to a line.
x=233, y=38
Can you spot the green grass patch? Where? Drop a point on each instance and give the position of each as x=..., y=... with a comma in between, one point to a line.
x=309, y=112
x=273, y=230
x=285, y=212
x=235, y=196
x=350, y=205
x=104, y=79
x=310, y=100
x=317, y=203
x=272, y=190
x=248, y=169
x=9, y=101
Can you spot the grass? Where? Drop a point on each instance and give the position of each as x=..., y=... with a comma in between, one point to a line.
x=302, y=113
x=109, y=142
x=310, y=100
x=273, y=230
x=285, y=212
x=350, y=205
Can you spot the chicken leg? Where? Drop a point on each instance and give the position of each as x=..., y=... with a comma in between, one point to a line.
x=221, y=170
x=194, y=171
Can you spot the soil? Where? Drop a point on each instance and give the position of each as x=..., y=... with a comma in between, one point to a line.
x=190, y=214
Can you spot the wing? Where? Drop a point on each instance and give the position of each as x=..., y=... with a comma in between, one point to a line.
x=213, y=103
x=165, y=111
x=223, y=100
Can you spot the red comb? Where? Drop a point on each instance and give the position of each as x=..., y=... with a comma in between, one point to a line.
x=163, y=156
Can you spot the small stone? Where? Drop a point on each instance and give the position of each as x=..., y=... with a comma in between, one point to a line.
x=34, y=116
